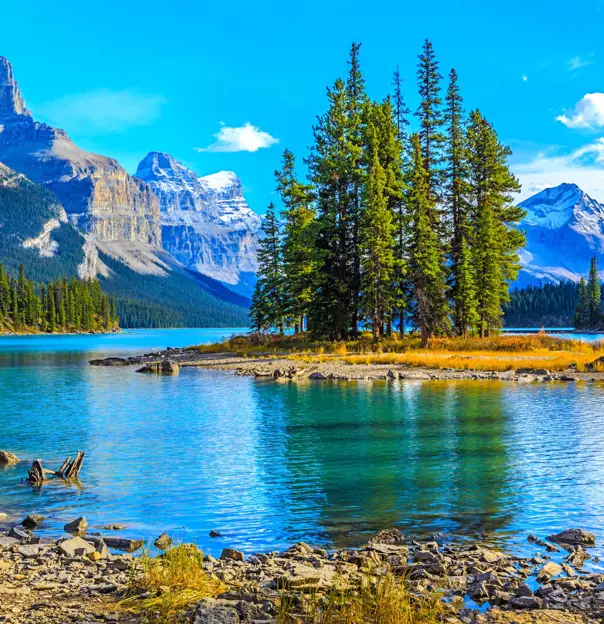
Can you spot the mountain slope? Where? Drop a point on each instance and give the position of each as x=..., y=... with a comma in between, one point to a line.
x=564, y=229
x=206, y=222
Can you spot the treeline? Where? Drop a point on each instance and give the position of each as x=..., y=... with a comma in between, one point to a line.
x=61, y=306
x=392, y=226
x=546, y=305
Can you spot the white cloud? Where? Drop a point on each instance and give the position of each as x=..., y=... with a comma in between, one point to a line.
x=588, y=112
x=246, y=138
x=102, y=110
x=577, y=62
x=584, y=167
x=524, y=78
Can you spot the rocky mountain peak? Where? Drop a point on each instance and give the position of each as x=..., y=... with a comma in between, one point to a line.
x=161, y=167
x=11, y=101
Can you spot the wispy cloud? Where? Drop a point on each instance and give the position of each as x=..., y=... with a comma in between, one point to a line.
x=587, y=113
x=103, y=110
x=577, y=62
x=583, y=166
x=246, y=138
x=524, y=78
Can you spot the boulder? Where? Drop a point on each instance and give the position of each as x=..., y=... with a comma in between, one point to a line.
x=110, y=361
x=8, y=459
x=165, y=367
x=549, y=570
x=76, y=547
x=215, y=614
x=577, y=537
x=118, y=543
x=163, y=542
x=32, y=521
x=215, y=533
x=7, y=542
x=77, y=526
x=230, y=553
x=388, y=536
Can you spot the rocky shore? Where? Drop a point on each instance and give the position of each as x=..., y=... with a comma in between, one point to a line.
x=82, y=577
x=282, y=368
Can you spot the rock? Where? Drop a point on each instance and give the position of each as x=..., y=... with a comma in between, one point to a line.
x=578, y=557
x=388, y=536
x=32, y=551
x=76, y=547
x=163, y=542
x=165, y=367
x=22, y=535
x=110, y=361
x=8, y=459
x=205, y=614
x=525, y=602
x=32, y=521
x=230, y=553
x=7, y=542
x=549, y=570
x=575, y=537
x=318, y=375
x=215, y=533
x=118, y=543
x=77, y=526
x=114, y=527
x=413, y=375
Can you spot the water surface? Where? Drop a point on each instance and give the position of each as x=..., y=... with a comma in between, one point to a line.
x=268, y=464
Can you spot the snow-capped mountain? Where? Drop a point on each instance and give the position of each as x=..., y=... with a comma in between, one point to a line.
x=564, y=228
x=206, y=222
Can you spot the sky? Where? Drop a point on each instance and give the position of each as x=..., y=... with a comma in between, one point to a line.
x=229, y=85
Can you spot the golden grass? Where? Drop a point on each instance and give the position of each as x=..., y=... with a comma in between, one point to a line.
x=171, y=583
x=387, y=601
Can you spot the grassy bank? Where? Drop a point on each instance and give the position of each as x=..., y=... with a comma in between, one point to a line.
x=496, y=353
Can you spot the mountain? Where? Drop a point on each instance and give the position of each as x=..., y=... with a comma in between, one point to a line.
x=67, y=211
x=564, y=229
x=206, y=222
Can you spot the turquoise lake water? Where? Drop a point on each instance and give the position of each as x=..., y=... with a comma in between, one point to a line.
x=268, y=464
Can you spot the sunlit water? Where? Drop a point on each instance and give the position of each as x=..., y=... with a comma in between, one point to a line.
x=268, y=464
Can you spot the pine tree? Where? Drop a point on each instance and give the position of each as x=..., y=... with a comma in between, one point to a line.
x=299, y=261
x=269, y=309
x=377, y=244
x=593, y=294
x=427, y=270
x=494, y=216
x=582, y=311
x=461, y=280
x=430, y=118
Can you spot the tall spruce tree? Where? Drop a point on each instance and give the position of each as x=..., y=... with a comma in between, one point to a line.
x=430, y=118
x=593, y=294
x=582, y=316
x=461, y=280
x=494, y=216
x=426, y=262
x=299, y=261
x=377, y=240
x=269, y=306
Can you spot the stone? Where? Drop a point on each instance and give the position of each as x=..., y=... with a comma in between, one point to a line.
x=118, y=543
x=388, y=536
x=8, y=459
x=77, y=526
x=163, y=542
x=578, y=557
x=525, y=602
x=114, y=527
x=230, y=553
x=22, y=535
x=110, y=361
x=205, y=614
x=31, y=551
x=76, y=547
x=548, y=571
x=32, y=521
x=215, y=533
x=165, y=367
x=7, y=542
x=574, y=536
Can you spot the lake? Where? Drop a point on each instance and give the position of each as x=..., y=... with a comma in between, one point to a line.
x=268, y=464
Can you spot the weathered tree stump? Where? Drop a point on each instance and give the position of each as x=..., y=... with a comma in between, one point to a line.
x=69, y=470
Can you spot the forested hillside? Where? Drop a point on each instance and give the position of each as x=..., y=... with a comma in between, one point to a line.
x=547, y=305
x=62, y=306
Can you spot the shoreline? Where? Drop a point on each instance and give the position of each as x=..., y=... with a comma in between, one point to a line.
x=58, y=580
x=283, y=368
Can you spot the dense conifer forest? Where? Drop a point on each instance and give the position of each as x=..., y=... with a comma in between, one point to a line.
x=61, y=306
x=546, y=305
x=402, y=219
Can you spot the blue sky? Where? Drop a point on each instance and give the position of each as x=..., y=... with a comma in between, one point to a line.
x=126, y=77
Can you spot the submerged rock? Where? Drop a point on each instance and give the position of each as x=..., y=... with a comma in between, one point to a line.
x=574, y=536
x=166, y=367
x=8, y=459
x=77, y=526
x=32, y=521
x=163, y=542
x=110, y=361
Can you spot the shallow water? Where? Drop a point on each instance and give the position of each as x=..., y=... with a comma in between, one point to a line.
x=268, y=464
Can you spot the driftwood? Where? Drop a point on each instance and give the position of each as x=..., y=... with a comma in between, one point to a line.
x=69, y=470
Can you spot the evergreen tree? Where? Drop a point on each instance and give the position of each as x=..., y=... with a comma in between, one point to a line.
x=269, y=309
x=430, y=118
x=427, y=270
x=377, y=242
x=461, y=280
x=299, y=262
x=495, y=239
x=593, y=295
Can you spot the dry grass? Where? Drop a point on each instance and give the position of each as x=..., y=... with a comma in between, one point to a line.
x=386, y=602
x=170, y=583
